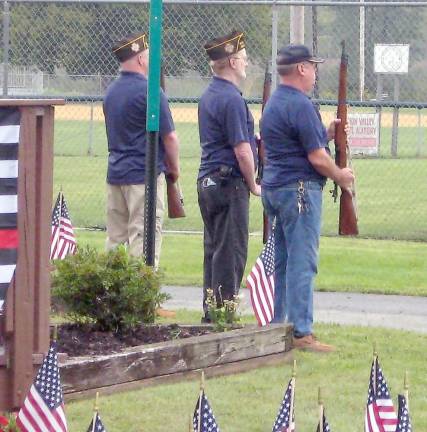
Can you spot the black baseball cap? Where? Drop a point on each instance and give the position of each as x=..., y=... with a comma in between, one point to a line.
x=292, y=54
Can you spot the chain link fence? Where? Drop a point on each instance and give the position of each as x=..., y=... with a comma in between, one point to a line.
x=63, y=48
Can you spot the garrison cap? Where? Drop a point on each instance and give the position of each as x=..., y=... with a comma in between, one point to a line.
x=129, y=46
x=225, y=46
x=292, y=54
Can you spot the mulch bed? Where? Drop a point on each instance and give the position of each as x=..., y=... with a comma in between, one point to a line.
x=84, y=340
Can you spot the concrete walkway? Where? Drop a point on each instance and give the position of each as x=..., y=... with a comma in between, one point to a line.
x=389, y=311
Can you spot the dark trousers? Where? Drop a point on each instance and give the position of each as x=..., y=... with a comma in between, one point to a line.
x=224, y=205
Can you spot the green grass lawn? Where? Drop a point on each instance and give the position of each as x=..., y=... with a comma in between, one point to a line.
x=250, y=401
x=391, y=192
x=346, y=264
x=390, y=195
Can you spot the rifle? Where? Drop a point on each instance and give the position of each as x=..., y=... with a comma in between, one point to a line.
x=260, y=146
x=348, y=213
x=173, y=190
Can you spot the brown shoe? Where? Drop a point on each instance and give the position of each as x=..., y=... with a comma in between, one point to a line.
x=310, y=343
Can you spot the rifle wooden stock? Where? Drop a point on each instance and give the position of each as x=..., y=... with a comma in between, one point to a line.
x=348, y=216
x=175, y=199
x=260, y=148
x=173, y=191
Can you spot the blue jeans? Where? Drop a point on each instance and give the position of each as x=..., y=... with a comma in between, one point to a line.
x=297, y=208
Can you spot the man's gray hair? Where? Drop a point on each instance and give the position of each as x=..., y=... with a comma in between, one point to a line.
x=219, y=65
x=285, y=70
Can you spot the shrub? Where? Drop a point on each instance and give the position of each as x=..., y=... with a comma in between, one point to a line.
x=111, y=289
x=225, y=316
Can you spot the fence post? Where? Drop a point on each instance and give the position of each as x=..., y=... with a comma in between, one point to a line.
x=362, y=49
x=379, y=108
x=419, y=134
x=274, y=27
x=90, y=147
x=314, y=31
x=6, y=46
x=297, y=25
x=394, y=131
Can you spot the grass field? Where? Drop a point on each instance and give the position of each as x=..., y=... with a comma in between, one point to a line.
x=346, y=265
x=391, y=192
x=250, y=401
x=392, y=203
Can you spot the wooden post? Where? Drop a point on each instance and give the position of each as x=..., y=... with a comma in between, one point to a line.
x=25, y=329
x=202, y=389
x=406, y=388
x=320, y=402
x=95, y=411
x=375, y=359
x=291, y=410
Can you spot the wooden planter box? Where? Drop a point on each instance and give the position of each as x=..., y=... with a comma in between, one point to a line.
x=221, y=353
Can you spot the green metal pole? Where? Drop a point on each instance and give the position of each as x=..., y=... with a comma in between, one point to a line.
x=153, y=102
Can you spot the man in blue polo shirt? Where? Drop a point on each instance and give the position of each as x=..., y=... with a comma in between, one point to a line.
x=297, y=164
x=227, y=169
x=125, y=110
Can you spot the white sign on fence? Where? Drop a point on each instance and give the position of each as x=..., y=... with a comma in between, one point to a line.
x=391, y=58
x=364, y=133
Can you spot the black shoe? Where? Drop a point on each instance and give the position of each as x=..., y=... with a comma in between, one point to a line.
x=206, y=320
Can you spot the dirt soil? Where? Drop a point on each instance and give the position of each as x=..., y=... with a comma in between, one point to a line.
x=83, y=340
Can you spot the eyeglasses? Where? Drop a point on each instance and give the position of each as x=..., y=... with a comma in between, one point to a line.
x=313, y=65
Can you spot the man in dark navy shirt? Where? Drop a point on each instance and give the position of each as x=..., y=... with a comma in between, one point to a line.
x=227, y=169
x=125, y=110
x=296, y=167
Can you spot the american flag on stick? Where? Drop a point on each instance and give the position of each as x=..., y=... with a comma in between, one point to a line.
x=404, y=420
x=380, y=414
x=260, y=283
x=43, y=409
x=203, y=418
x=323, y=426
x=63, y=241
x=96, y=424
x=285, y=420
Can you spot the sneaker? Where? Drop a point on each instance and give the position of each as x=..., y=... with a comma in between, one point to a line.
x=310, y=343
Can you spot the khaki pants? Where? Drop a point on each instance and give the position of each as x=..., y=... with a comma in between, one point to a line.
x=125, y=217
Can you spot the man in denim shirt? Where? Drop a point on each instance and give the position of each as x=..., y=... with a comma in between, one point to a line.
x=297, y=164
x=227, y=169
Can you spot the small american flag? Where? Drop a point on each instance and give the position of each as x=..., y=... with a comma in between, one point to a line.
x=43, y=409
x=403, y=421
x=380, y=414
x=98, y=427
x=260, y=282
x=325, y=425
x=208, y=422
x=63, y=241
x=285, y=420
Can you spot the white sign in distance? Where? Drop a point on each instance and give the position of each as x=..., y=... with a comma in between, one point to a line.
x=364, y=133
x=391, y=58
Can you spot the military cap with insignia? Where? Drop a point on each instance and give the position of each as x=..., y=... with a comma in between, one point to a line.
x=129, y=46
x=225, y=46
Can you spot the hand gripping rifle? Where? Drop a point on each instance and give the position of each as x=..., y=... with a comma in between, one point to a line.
x=173, y=191
x=348, y=212
x=260, y=146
